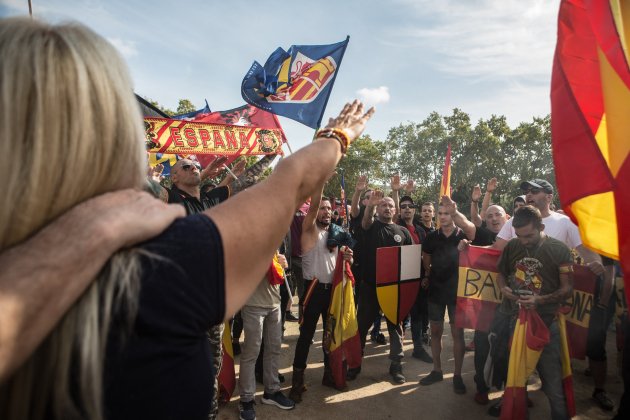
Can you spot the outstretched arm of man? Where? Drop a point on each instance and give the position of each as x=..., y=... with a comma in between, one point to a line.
x=356, y=196
x=368, y=216
x=272, y=204
x=43, y=276
x=251, y=174
x=474, y=206
x=460, y=220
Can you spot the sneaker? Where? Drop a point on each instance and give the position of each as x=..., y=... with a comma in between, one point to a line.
x=395, y=370
x=458, y=384
x=432, y=378
x=379, y=338
x=481, y=398
x=495, y=409
x=279, y=400
x=603, y=400
x=422, y=354
x=352, y=373
x=246, y=410
x=290, y=317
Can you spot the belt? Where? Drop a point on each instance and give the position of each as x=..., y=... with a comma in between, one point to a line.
x=324, y=286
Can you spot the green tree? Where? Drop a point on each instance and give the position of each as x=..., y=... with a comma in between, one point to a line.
x=185, y=106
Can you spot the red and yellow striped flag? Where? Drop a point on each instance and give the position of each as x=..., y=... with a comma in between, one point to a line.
x=342, y=341
x=590, y=102
x=227, y=374
x=445, y=186
x=530, y=337
x=275, y=274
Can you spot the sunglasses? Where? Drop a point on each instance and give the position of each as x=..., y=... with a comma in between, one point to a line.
x=532, y=190
x=188, y=167
x=407, y=206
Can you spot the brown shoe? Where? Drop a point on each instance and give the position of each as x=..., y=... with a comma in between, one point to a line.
x=297, y=385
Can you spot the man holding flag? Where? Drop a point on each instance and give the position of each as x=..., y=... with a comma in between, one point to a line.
x=535, y=276
x=319, y=261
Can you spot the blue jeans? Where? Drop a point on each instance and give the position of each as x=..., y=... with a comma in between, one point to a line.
x=550, y=371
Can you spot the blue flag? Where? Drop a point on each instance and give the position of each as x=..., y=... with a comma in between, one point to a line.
x=193, y=114
x=296, y=83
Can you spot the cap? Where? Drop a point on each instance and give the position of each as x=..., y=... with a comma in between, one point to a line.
x=406, y=198
x=538, y=183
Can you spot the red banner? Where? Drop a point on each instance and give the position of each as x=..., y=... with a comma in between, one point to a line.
x=188, y=137
x=478, y=293
x=579, y=315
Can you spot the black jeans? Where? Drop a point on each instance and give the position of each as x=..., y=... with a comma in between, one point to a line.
x=316, y=306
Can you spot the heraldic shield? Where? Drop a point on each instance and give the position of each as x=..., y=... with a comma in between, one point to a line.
x=397, y=280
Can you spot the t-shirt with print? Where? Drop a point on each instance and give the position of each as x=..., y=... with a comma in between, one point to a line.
x=537, y=269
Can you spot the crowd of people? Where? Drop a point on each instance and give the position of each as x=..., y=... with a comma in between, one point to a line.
x=113, y=302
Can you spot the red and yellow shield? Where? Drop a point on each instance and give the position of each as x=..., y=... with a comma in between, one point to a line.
x=397, y=280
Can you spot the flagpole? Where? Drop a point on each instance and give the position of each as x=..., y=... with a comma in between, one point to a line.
x=30, y=9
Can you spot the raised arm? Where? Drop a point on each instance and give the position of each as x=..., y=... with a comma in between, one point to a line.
x=487, y=197
x=272, y=204
x=460, y=220
x=309, y=232
x=368, y=215
x=251, y=174
x=474, y=206
x=396, y=186
x=35, y=291
x=356, y=196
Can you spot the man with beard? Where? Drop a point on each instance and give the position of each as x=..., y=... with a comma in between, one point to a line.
x=318, y=267
x=379, y=233
x=536, y=273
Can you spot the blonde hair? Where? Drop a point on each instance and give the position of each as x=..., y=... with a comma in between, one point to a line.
x=70, y=129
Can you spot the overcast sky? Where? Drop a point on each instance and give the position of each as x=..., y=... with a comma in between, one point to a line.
x=406, y=57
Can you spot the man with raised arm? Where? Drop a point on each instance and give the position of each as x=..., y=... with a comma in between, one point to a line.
x=380, y=232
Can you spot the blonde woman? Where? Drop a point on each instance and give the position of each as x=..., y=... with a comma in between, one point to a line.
x=133, y=345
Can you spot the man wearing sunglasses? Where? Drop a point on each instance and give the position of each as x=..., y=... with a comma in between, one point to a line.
x=419, y=311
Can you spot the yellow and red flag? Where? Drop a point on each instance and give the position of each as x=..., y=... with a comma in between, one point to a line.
x=590, y=102
x=530, y=337
x=275, y=274
x=445, y=186
x=227, y=374
x=341, y=339
x=478, y=293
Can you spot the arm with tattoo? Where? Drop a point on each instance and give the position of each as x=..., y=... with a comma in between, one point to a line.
x=251, y=175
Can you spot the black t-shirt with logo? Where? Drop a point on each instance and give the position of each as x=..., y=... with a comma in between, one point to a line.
x=380, y=235
x=444, y=265
x=483, y=236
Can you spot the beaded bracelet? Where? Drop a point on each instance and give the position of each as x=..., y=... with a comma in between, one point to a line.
x=336, y=134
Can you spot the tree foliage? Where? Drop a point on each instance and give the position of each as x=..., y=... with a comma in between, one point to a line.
x=487, y=149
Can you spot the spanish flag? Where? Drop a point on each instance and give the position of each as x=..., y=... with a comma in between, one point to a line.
x=445, y=186
x=478, y=293
x=275, y=274
x=341, y=338
x=530, y=337
x=227, y=375
x=590, y=103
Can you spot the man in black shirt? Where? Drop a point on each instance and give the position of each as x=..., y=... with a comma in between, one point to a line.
x=495, y=218
x=379, y=233
x=441, y=264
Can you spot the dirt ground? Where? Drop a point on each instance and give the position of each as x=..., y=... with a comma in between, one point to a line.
x=373, y=395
